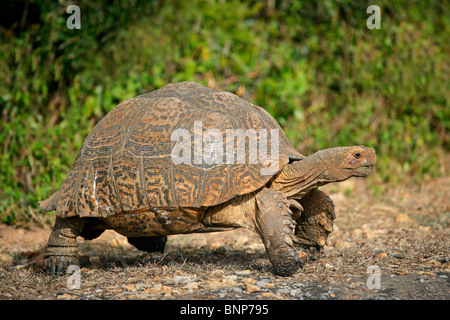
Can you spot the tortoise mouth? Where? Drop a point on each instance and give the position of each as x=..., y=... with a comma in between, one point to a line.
x=365, y=170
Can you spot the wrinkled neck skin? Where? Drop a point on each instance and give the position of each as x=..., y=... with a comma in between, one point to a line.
x=300, y=177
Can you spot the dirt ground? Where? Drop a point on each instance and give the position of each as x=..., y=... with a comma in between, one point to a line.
x=384, y=247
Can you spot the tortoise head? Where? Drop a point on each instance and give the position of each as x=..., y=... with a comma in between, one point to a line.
x=346, y=162
x=322, y=167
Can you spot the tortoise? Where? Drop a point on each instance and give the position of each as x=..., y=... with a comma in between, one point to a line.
x=182, y=159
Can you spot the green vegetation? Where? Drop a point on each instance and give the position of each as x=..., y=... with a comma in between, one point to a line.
x=314, y=66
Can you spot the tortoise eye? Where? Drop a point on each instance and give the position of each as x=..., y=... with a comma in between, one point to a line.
x=357, y=155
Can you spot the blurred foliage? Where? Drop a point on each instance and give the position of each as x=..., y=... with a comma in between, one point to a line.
x=315, y=66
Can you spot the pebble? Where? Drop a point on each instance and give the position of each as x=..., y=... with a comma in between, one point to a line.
x=262, y=283
x=325, y=296
x=294, y=292
x=342, y=244
x=65, y=296
x=284, y=290
x=181, y=279
x=252, y=288
x=191, y=285
x=243, y=273
x=268, y=294
x=382, y=255
x=403, y=218
x=229, y=280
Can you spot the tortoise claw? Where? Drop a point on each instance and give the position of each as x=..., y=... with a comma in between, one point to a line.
x=57, y=265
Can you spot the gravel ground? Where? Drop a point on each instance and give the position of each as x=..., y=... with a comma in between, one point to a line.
x=389, y=247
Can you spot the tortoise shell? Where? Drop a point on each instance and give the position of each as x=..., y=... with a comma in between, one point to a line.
x=126, y=164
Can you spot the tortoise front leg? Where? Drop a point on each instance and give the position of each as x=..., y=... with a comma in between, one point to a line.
x=315, y=222
x=276, y=227
x=62, y=245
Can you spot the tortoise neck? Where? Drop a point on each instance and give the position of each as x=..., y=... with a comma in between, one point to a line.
x=300, y=177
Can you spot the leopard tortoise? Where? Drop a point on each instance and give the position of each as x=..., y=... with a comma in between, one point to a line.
x=187, y=158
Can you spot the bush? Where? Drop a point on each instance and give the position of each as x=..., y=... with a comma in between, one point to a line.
x=314, y=66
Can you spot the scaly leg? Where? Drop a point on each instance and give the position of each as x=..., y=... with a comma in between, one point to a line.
x=315, y=222
x=276, y=227
x=62, y=245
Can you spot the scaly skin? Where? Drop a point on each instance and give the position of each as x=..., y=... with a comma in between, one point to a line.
x=62, y=245
x=276, y=229
x=315, y=223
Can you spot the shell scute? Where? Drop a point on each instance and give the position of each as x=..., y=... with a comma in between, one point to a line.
x=126, y=165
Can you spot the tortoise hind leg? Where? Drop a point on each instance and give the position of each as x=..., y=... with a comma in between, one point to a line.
x=62, y=245
x=149, y=244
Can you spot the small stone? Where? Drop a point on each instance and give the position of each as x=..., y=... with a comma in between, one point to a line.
x=294, y=292
x=229, y=280
x=252, y=288
x=217, y=273
x=342, y=244
x=65, y=296
x=249, y=281
x=181, y=279
x=303, y=256
x=321, y=241
x=381, y=255
x=270, y=285
x=424, y=229
x=189, y=291
x=262, y=283
x=129, y=287
x=401, y=272
x=214, y=284
x=166, y=290
x=191, y=285
x=175, y=292
x=403, y=218
x=283, y=291
x=268, y=294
